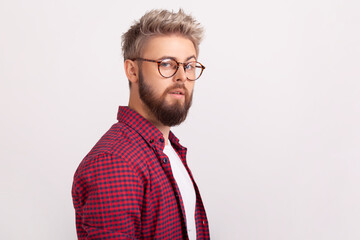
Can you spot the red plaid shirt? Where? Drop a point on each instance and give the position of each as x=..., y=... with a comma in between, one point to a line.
x=124, y=188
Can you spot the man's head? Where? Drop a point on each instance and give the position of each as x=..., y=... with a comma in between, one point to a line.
x=160, y=53
x=160, y=22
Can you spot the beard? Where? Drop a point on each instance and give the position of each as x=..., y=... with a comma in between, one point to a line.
x=168, y=114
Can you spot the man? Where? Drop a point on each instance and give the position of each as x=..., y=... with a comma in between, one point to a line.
x=135, y=183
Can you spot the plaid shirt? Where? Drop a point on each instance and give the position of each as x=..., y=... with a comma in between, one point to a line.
x=124, y=188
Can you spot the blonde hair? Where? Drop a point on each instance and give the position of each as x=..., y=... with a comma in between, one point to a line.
x=160, y=22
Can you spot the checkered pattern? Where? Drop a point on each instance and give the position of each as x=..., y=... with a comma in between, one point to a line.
x=124, y=188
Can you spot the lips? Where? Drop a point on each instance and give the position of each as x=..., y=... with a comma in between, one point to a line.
x=177, y=91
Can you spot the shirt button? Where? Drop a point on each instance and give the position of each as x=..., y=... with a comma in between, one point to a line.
x=165, y=160
x=151, y=140
x=161, y=140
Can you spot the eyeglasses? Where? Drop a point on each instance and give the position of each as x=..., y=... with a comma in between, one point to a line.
x=168, y=67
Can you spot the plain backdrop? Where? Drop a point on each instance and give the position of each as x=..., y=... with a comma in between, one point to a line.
x=273, y=134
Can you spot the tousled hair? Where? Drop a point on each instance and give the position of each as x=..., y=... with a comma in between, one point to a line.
x=160, y=22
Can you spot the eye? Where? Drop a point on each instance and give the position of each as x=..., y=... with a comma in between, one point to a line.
x=168, y=63
x=190, y=65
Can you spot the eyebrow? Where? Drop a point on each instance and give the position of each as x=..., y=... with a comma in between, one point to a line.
x=173, y=58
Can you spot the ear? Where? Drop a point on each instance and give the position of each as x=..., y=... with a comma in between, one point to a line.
x=131, y=70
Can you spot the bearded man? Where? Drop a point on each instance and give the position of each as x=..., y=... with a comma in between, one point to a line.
x=135, y=183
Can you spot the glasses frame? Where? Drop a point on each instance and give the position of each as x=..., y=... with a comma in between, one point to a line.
x=177, y=68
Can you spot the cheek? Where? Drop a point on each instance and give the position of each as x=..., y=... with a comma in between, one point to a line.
x=160, y=86
x=154, y=81
x=190, y=87
x=150, y=71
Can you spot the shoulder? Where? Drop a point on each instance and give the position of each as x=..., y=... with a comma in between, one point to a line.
x=120, y=147
x=115, y=140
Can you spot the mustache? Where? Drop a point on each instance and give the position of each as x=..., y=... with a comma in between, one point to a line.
x=177, y=86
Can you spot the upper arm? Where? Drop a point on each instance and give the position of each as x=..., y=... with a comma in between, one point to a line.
x=107, y=194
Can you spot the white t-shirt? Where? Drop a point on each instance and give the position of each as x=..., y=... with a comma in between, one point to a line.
x=186, y=188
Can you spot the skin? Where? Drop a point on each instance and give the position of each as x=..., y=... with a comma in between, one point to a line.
x=156, y=48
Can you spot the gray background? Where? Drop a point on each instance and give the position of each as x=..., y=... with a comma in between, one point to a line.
x=273, y=134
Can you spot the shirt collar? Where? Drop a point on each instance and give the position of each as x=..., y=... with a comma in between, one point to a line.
x=145, y=128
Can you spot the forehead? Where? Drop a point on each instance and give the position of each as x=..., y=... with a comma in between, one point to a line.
x=174, y=45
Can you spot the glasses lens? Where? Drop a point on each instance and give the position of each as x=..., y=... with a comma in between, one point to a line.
x=167, y=67
x=193, y=70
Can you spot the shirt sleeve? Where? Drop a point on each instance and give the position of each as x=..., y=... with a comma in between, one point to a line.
x=107, y=196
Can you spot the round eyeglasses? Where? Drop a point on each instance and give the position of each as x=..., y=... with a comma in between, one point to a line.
x=168, y=67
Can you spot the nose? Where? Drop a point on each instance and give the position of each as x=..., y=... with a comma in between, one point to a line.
x=180, y=74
